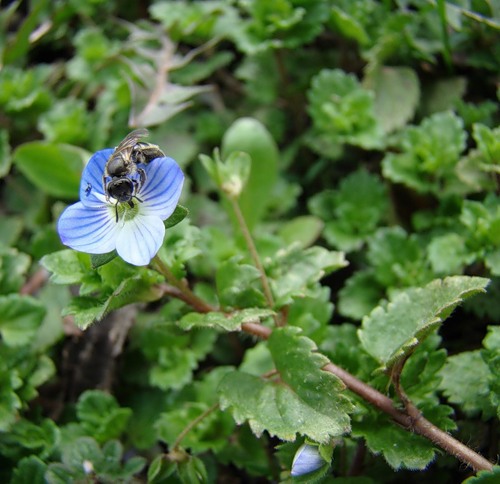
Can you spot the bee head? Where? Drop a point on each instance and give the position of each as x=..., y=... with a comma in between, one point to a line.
x=121, y=189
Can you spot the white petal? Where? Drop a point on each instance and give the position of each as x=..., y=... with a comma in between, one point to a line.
x=91, y=230
x=139, y=239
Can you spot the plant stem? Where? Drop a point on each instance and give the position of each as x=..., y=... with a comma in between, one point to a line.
x=193, y=424
x=441, y=8
x=411, y=420
x=253, y=251
x=179, y=288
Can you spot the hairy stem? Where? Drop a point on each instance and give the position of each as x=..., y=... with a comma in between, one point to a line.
x=193, y=424
x=253, y=251
x=179, y=288
x=411, y=419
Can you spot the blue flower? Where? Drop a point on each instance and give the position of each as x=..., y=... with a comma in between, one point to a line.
x=91, y=224
x=307, y=459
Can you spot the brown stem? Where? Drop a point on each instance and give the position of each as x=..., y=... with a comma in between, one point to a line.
x=179, y=288
x=35, y=282
x=411, y=420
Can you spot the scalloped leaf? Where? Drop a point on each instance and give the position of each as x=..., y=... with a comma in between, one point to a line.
x=142, y=287
x=305, y=400
x=485, y=477
x=397, y=92
x=399, y=448
x=21, y=316
x=390, y=333
x=224, y=321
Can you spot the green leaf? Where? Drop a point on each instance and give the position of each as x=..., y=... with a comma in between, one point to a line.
x=20, y=43
x=280, y=24
x=293, y=272
x=83, y=456
x=100, y=416
x=305, y=400
x=348, y=25
x=67, y=266
x=23, y=91
x=66, y=122
x=448, y=254
x=180, y=213
x=353, y=211
x=343, y=110
x=397, y=93
x=211, y=433
x=398, y=259
x=5, y=157
x=225, y=321
x=20, y=318
x=400, y=448
x=192, y=471
x=488, y=144
x=30, y=470
x=430, y=153
x=442, y=95
x=250, y=136
x=465, y=382
x=13, y=269
x=391, y=333
x=303, y=230
x=98, y=260
x=10, y=230
x=160, y=469
x=41, y=438
x=485, y=477
x=54, y=168
x=238, y=285
x=360, y=294
x=171, y=354
x=141, y=287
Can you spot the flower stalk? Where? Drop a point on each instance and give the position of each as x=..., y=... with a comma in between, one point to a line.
x=253, y=251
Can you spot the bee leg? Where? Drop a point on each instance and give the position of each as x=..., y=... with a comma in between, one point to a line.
x=116, y=211
x=142, y=175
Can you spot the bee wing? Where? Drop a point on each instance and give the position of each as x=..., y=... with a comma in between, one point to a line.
x=131, y=140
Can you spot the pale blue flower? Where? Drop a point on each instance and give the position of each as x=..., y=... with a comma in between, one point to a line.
x=90, y=225
x=307, y=459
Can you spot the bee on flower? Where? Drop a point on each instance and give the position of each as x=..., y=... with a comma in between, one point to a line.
x=100, y=223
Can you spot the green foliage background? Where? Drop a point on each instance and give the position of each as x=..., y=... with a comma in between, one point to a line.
x=360, y=142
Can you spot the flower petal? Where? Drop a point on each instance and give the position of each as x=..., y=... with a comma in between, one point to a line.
x=307, y=459
x=91, y=230
x=162, y=189
x=139, y=239
x=91, y=189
